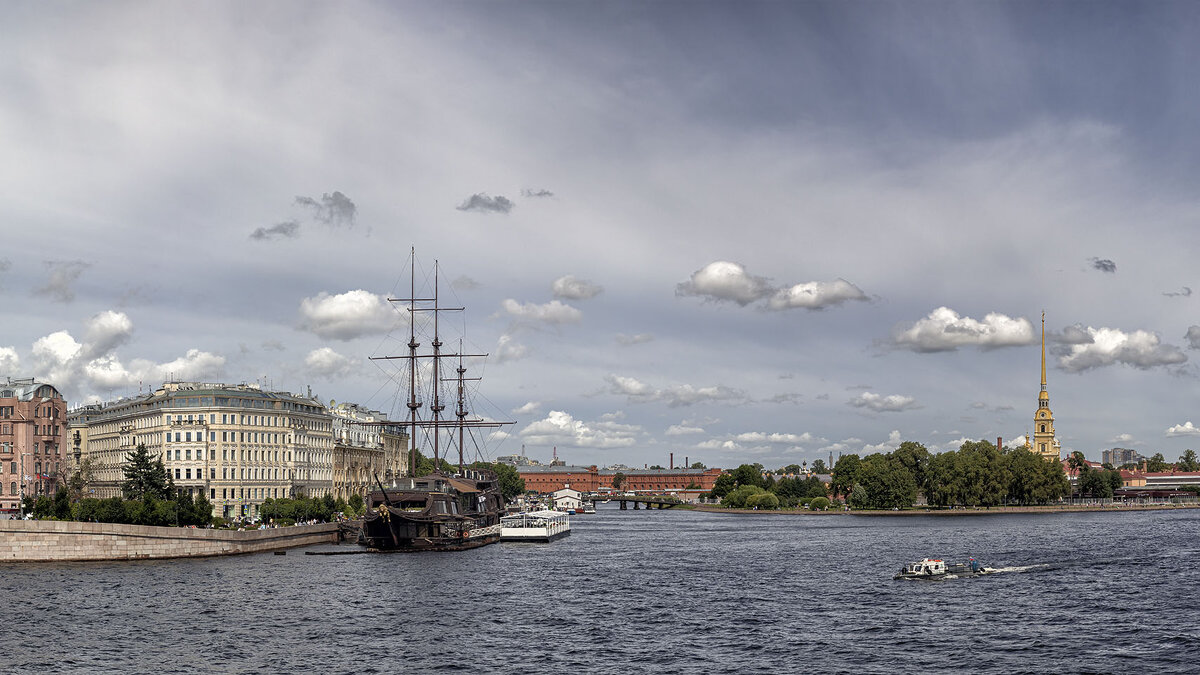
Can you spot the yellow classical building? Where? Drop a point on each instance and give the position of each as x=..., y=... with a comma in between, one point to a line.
x=1044, y=443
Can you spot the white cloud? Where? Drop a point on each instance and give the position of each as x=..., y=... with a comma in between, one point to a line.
x=63, y=275
x=1127, y=439
x=347, y=315
x=553, y=312
x=944, y=330
x=106, y=331
x=570, y=288
x=815, y=295
x=325, y=362
x=683, y=430
x=878, y=403
x=10, y=361
x=760, y=437
x=529, y=407
x=507, y=349
x=193, y=365
x=1185, y=429
x=674, y=397
x=723, y=280
x=561, y=429
x=1109, y=346
x=889, y=445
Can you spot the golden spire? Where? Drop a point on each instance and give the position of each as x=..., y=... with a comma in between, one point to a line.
x=1043, y=350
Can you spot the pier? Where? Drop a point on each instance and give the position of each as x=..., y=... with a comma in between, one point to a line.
x=649, y=501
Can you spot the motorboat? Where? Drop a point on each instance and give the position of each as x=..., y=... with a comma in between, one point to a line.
x=936, y=568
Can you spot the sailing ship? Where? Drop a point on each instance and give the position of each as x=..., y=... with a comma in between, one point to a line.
x=438, y=511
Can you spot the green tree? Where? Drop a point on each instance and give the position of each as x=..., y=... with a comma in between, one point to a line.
x=509, y=479
x=790, y=468
x=914, y=457
x=845, y=473
x=1157, y=463
x=859, y=497
x=146, y=476
x=698, y=465
x=62, y=503
x=739, y=496
x=748, y=474
x=356, y=502
x=1187, y=461
x=764, y=500
x=887, y=482
x=1077, y=462
x=724, y=484
x=618, y=481
x=819, y=504
x=657, y=467
x=818, y=466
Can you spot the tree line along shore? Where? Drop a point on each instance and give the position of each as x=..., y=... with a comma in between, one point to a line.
x=978, y=475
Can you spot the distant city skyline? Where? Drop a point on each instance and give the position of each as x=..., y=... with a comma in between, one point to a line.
x=739, y=232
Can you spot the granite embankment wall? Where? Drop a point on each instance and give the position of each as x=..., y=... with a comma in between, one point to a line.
x=52, y=540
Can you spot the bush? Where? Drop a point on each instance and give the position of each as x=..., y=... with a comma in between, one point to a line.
x=819, y=504
x=764, y=500
x=736, y=499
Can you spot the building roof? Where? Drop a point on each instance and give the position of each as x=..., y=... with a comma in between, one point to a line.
x=25, y=389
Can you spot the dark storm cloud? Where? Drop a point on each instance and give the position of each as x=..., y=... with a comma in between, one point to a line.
x=536, y=193
x=288, y=229
x=1179, y=294
x=63, y=274
x=1193, y=337
x=334, y=210
x=480, y=202
x=1103, y=264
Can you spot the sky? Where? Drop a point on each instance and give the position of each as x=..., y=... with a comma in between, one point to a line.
x=734, y=231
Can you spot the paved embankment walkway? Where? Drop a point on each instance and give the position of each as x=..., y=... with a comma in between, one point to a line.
x=960, y=511
x=62, y=541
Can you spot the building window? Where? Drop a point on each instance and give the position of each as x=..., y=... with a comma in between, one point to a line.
x=12, y=488
x=176, y=474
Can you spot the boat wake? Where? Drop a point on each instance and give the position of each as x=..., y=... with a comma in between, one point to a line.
x=1019, y=568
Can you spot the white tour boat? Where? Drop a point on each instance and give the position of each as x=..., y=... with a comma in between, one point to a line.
x=538, y=526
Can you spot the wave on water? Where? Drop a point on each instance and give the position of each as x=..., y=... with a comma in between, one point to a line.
x=1020, y=568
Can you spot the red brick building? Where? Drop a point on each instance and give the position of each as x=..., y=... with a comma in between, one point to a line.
x=34, y=453
x=547, y=479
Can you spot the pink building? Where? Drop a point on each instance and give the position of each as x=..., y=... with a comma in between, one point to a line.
x=33, y=441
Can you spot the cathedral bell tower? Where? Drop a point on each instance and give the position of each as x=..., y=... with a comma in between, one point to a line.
x=1044, y=442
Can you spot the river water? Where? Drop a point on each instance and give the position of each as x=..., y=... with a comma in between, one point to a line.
x=645, y=591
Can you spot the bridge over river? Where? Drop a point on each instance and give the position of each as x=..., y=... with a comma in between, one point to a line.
x=650, y=501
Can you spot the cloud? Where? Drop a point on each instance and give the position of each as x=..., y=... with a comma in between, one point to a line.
x=889, y=445
x=63, y=273
x=630, y=340
x=1193, y=337
x=529, y=407
x=334, y=210
x=570, y=288
x=674, y=397
x=683, y=430
x=465, y=283
x=347, y=315
x=553, y=312
x=729, y=281
x=877, y=403
x=289, y=229
x=560, y=428
x=1104, y=265
x=1109, y=346
x=1185, y=292
x=775, y=438
x=509, y=350
x=106, y=331
x=536, y=193
x=78, y=369
x=815, y=295
x=481, y=203
x=5, y=264
x=1185, y=429
x=324, y=362
x=723, y=280
x=10, y=361
x=944, y=330
x=1126, y=439
x=1074, y=334
x=273, y=345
